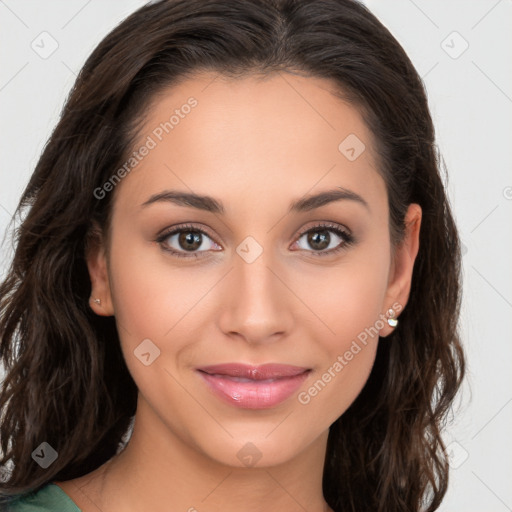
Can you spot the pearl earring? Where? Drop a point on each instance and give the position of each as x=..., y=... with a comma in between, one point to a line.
x=392, y=321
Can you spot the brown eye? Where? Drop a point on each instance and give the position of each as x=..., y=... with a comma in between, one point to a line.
x=185, y=241
x=320, y=238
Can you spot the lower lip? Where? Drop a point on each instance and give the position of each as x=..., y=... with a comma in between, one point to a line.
x=256, y=394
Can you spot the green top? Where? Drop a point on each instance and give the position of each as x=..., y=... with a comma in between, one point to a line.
x=50, y=498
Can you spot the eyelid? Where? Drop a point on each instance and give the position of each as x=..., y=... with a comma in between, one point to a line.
x=173, y=230
x=326, y=224
x=345, y=233
x=341, y=231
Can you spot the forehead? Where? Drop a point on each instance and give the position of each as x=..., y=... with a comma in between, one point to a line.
x=254, y=136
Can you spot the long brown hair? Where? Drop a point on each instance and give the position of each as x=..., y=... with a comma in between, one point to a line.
x=66, y=380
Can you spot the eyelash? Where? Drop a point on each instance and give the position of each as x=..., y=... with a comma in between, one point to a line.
x=348, y=239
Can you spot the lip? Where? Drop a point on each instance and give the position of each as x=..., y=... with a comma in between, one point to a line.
x=253, y=387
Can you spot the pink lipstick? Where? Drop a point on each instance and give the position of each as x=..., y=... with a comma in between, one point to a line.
x=253, y=387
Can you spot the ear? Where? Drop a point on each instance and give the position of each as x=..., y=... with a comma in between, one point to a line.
x=400, y=278
x=96, y=260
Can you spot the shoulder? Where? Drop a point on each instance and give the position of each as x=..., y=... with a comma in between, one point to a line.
x=50, y=498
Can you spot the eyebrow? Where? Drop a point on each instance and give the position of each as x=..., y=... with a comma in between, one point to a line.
x=212, y=205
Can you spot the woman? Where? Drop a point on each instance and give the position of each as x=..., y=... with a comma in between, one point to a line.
x=237, y=249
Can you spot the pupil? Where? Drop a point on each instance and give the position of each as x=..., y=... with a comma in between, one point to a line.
x=322, y=239
x=188, y=238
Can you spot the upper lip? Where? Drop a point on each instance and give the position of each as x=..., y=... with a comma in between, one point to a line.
x=261, y=372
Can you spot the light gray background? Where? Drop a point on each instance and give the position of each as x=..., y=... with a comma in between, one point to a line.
x=470, y=95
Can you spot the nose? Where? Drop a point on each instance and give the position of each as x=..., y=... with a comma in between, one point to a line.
x=256, y=303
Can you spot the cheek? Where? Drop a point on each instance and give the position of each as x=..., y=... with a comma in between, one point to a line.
x=165, y=303
x=349, y=297
x=350, y=306
x=348, y=353
x=335, y=387
x=151, y=301
x=149, y=296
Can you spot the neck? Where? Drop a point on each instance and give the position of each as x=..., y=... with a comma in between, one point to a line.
x=160, y=470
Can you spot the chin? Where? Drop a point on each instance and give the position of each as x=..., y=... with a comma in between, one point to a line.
x=262, y=450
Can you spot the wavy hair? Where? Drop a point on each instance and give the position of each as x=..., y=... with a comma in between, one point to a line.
x=66, y=381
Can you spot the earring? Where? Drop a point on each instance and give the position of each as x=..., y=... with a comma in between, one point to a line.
x=392, y=321
x=97, y=301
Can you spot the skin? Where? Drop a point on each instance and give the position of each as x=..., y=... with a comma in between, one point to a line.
x=256, y=145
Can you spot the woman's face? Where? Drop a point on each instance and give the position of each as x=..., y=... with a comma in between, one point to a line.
x=250, y=280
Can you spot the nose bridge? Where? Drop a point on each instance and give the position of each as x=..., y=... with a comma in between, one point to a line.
x=252, y=276
x=255, y=306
